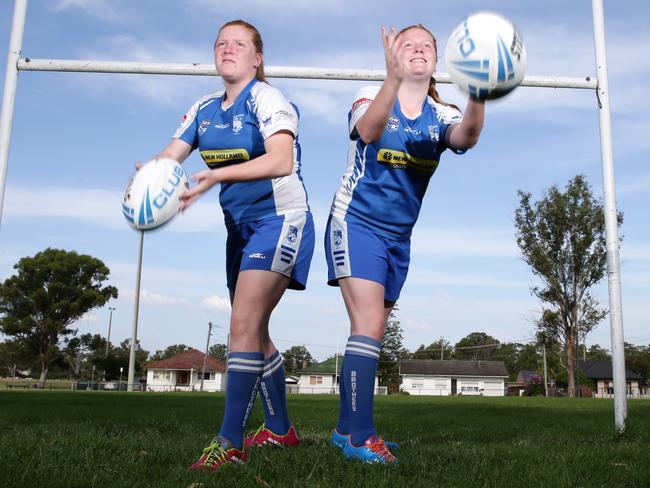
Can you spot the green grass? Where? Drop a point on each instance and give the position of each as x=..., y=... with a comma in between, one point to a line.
x=26, y=383
x=69, y=439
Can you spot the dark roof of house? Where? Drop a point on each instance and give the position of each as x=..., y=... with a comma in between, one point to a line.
x=190, y=359
x=527, y=376
x=601, y=369
x=326, y=367
x=453, y=367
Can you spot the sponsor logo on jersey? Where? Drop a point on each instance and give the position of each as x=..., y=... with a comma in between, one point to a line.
x=203, y=126
x=358, y=103
x=401, y=160
x=237, y=123
x=410, y=130
x=215, y=157
x=222, y=126
x=393, y=124
x=338, y=237
x=257, y=255
x=292, y=234
x=281, y=115
x=434, y=134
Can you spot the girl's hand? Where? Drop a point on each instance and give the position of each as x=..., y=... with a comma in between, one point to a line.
x=393, y=54
x=205, y=180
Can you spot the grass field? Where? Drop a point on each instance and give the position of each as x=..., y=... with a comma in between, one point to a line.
x=25, y=384
x=69, y=439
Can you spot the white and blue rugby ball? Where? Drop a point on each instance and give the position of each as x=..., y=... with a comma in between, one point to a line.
x=485, y=56
x=152, y=196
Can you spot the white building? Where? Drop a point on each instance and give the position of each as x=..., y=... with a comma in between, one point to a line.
x=453, y=377
x=324, y=378
x=600, y=372
x=182, y=372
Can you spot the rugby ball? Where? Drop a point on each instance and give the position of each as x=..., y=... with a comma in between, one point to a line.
x=485, y=56
x=152, y=196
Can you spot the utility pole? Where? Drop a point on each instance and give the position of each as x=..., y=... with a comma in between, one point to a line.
x=442, y=348
x=545, y=374
x=205, y=358
x=108, y=338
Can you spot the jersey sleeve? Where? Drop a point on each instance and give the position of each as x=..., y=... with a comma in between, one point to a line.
x=275, y=113
x=188, y=130
x=448, y=116
x=362, y=101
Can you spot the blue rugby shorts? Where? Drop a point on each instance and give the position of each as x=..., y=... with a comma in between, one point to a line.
x=353, y=250
x=284, y=244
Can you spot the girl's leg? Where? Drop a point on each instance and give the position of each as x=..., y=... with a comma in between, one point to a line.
x=273, y=388
x=256, y=295
x=364, y=300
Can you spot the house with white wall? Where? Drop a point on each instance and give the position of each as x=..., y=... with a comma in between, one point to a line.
x=324, y=378
x=453, y=377
x=183, y=372
x=600, y=372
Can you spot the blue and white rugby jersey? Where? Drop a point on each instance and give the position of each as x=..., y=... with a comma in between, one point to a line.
x=236, y=135
x=385, y=181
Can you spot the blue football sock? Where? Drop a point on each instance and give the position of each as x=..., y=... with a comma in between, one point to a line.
x=361, y=357
x=343, y=425
x=244, y=376
x=274, y=395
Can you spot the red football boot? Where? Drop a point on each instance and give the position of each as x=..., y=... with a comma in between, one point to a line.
x=265, y=437
x=215, y=456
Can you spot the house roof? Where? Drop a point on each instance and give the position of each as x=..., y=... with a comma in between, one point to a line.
x=190, y=359
x=453, y=367
x=601, y=369
x=325, y=367
x=527, y=376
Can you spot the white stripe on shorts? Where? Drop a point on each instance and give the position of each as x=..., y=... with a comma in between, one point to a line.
x=288, y=246
x=340, y=249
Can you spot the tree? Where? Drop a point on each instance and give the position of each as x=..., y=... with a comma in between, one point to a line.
x=508, y=352
x=296, y=358
x=391, y=352
x=121, y=359
x=562, y=238
x=12, y=358
x=50, y=292
x=441, y=349
x=597, y=352
x=219, y=351
x=169, y=352
x=86, y=351
x=477, y=345
x=637, y=359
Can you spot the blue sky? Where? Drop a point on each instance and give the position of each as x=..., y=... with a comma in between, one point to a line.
x=77, y=136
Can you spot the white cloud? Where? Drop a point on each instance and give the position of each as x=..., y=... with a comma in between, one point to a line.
x=161, y=89
x=102, y=9
x=639, y=183
x=152, y=298
x=462, y=242
x=426, y=277
x=89, y=318
x=278, y=8
x=216, y=302
x=101, y=208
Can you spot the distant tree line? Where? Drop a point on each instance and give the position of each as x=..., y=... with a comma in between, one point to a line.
x=561, y=237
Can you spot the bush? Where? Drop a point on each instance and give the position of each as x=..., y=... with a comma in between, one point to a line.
x=534, y=389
